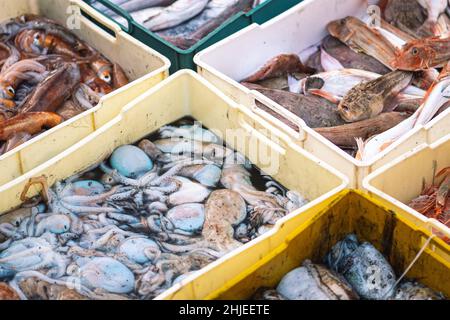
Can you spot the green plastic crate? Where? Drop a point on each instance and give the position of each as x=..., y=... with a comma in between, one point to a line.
x=183, y=59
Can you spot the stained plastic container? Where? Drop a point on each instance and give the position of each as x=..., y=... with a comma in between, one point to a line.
x=292, y=32
x=310, y=235
x=402, y=180
x=183, y=59
x=187, y=94
x=142, y=64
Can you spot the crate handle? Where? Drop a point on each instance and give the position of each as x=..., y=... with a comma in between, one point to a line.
x=121, y=12
x=287, y=115
x=101, y=19
x=242, y=120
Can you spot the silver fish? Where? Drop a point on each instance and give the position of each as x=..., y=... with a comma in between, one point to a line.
x=175, y=14
x=216, y=12
x=143, y=15
x=133, y=5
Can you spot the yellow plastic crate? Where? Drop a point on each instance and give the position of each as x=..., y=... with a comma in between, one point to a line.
x=294, y=31
x=402, y=181
x=142, y=64
x=310, y=235
x=187, y=94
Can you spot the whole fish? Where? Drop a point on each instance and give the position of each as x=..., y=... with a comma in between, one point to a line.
x=346, y=56
x=423, y=54
x=175, y=14
x=357, y=35
x=334, y=85
x=360, y=37
x=437, y=97
x=135, y=5
x=315, y=111
x=146, y=14
x=345, y=136
x=216, y=12
x=368, y=99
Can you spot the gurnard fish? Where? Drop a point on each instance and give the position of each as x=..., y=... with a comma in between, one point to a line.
x=177, y=13
x=423, y=54
x=216, y=12
x=437, y=97
x=367, y=100
x=334, y=85
x=360, y=37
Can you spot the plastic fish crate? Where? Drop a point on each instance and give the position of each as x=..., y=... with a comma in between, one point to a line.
x=187, y=94
x=292, y=32
x=142, y=64
x=402, y=180
x=310, y=235
x=183, y=59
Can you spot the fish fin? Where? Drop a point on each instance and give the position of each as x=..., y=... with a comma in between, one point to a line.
x=361, y=145
x=324, y=94
x=328, y=62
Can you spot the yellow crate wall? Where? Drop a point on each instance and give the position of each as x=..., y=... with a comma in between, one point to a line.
x=311, y=236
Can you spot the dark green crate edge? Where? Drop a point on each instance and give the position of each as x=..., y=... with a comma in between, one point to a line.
x=184, y=59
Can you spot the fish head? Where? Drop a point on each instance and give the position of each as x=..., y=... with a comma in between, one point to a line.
x=356, y=106
x=337, y=27
x=412, y=57
x=343, y=29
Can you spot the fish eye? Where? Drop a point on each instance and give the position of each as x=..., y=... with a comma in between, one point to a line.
x=106, y=77
x=415, y=51
x=11, y=90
